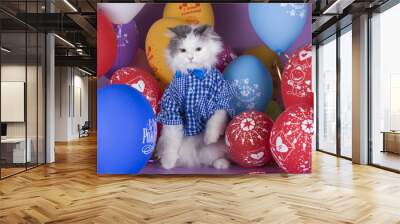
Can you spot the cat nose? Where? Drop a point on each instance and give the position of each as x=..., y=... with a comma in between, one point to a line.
x=191, y=58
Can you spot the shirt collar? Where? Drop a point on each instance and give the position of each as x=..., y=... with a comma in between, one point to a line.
x=199, y=73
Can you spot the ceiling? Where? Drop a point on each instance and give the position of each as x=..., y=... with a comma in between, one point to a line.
x=75, y=22
x=329, y=16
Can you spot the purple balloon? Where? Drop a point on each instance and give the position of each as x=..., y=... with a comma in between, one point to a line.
x=127, y=44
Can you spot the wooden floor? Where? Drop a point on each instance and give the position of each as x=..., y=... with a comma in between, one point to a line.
x=69, y=191
x=5, y=172
x=386, y=159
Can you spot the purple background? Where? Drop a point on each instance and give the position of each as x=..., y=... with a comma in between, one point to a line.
x=231, y=22
x=154, y=168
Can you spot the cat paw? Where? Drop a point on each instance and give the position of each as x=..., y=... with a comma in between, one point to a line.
x=211, y=136
x=221, y=163
x=215, y=127
x=168, y=162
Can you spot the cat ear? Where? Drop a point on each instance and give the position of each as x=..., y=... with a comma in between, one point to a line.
x=201, y=30
x=171, y=32
x=180, y=31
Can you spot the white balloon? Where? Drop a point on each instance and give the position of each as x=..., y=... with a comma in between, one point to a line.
x=120, y=13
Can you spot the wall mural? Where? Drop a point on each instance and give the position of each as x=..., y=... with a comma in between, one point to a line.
x=203, y=88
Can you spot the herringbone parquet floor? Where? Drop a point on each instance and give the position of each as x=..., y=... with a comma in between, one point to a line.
x=69, y=191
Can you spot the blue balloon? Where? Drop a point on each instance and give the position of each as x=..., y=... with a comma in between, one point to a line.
x=252, y=83
x=278, y=24
x=127, y=130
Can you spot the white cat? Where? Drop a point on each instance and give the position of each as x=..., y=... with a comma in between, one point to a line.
x=195, y=107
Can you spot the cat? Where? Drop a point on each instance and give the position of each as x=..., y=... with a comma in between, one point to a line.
x=195, y=108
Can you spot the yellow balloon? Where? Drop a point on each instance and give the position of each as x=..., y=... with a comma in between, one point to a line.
x=156, y=43
x=270, y=59
x=194, y=13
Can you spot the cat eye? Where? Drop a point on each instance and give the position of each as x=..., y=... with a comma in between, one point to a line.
x=183, y=50
x=198, y=49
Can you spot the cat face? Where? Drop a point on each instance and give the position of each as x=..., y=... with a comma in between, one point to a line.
x=193, y=47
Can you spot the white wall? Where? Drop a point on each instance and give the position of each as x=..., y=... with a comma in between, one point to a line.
x=62, y=83
x=17, y=73
x=71, y=94
x=80, y=112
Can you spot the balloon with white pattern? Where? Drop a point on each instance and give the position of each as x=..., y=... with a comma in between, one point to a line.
x=296, y=78
x=251, y=83
x=278, y=25
x=224, y=58
x=247, y=139
x=139, y=79
x=291, y=139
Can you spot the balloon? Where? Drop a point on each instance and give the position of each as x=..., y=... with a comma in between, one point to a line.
x=247, y=138
x=269, y=58
x=296, y=78
x=127, y=130
x=291, y=139
x=273, y=110
x=194, y=13
x=224, y=58
x=127, y=44
x=143, y=82
x=120, y=13
x=278, y=24
x=106, y=44
x=156, y=43
x=251, y=82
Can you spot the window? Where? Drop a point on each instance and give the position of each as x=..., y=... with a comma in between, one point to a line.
x=327, y=96
x=22, y=77
x=385, y=89
x=346, y=93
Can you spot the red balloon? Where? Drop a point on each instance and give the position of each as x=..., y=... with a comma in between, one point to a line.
x=141, y=81
x=296, y=78
x=247, y=138
x=106, y=44
x=291, y=139
x=224, y=58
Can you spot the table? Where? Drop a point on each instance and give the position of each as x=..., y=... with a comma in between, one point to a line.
x=19, y=155
x=391, y=141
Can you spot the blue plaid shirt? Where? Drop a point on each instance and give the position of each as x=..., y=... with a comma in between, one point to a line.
x=192, y=98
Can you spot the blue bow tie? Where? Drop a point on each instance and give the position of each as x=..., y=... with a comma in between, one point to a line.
x=199, y=73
